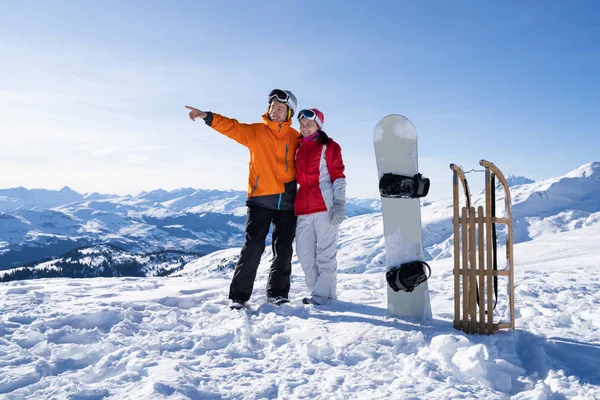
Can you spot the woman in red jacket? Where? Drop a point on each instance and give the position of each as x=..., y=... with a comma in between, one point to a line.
x=320, y=206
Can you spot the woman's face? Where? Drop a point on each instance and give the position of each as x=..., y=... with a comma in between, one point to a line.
x=308, y=127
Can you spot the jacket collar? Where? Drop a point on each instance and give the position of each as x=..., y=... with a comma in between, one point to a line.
x=276, y=126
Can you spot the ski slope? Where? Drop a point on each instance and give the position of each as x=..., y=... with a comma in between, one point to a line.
x=159, y=338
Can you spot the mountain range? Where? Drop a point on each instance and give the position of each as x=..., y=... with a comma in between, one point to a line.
x=42, y=225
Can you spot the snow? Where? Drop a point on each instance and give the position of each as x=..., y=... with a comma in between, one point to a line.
x=403, y=250
x=173, y=337
x=378, y=133
x=402, y=128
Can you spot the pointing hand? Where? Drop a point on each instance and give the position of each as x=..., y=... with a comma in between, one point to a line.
x=195, y=113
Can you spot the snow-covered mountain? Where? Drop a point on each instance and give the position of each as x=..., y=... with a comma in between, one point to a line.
x=539, y=208
x=40, y=199
x=102, y=260
x=204, y=221
x=513, y=180
x=38, y=224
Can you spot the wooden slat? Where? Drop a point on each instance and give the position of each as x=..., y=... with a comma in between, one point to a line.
x=501, y=272
x=509, y=235
x=472, y=276
x=456, y=223
x=495, y=220
x=511, y=273
x=488, y=251
x=465, y=275
x=480, y=270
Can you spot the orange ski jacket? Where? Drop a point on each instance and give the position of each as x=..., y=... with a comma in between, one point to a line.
x=272, y=148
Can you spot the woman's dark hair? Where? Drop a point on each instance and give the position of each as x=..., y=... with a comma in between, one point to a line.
x=323, y=138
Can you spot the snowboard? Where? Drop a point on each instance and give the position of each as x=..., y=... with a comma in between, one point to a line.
x=395, y=141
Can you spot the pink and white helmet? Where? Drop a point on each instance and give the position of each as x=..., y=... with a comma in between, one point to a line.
x=314, y=114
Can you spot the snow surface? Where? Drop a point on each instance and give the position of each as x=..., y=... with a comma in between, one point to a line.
x=174, y=338
x=402, y=128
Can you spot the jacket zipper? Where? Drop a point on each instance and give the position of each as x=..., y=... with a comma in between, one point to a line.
x=255, y=186
x=286, y=155
x=306, y=170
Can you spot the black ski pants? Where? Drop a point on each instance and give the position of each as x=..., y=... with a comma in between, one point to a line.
x=258, y=222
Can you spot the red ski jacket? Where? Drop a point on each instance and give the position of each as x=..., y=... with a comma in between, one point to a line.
x=320, y=175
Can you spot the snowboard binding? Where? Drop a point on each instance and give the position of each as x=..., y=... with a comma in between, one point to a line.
x=403, y=187
x=408, y=276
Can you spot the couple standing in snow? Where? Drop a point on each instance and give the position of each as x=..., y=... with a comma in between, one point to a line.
x=296, y=182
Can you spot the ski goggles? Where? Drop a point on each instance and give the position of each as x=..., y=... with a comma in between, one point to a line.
x=308, y=114
x=279, y=95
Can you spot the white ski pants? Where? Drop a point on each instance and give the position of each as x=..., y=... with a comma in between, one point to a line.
x=316, y=247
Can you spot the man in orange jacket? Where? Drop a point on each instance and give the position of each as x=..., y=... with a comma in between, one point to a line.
x=271, y=194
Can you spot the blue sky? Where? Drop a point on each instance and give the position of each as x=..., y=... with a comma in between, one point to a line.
x=92, y=92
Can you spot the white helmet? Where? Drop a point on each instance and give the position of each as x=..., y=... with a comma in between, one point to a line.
x=286, y=97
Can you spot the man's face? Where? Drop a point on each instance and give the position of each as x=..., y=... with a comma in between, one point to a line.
x=308, y=126
x=278, y=111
